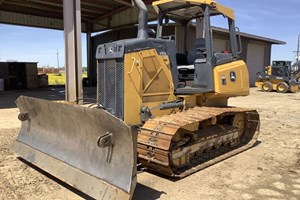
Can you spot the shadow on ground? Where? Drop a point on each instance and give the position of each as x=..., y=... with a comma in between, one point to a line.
x=60, y=182
x=141, y=191
x=146, y=193
x=53, y=93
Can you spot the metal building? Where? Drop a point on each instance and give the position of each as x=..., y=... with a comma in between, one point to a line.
x=256, y=50
x=19, y=75
x=75, y=16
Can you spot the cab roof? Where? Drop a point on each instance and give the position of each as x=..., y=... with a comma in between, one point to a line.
x=189, y=9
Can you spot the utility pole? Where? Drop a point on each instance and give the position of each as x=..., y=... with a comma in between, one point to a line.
x=57, y=58
x=297, y=58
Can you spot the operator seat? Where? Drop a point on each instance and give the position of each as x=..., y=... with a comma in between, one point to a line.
x=186, y=71
x=196, y=51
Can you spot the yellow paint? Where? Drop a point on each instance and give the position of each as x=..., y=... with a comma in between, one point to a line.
x=259, y=85
x=281, y=88
x=216, y=6
x=294, y=88
x=147, y=82
x=208, y=2
x=190, y=101
x=269, y=70
x=239, y=87
x=225, y=11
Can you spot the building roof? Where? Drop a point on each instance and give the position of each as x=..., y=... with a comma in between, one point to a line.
x=101, y=14
x=29, y=62
x=192, y=8
x=251, y=36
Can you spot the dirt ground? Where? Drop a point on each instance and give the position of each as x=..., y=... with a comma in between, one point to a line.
x=270, y=170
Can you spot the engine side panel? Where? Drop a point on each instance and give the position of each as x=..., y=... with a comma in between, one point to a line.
x=231, y=79
x=147, y=82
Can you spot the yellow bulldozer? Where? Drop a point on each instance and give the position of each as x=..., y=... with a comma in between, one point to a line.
x=158, y=109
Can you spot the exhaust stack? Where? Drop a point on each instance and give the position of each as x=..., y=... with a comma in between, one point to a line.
x=143, y=19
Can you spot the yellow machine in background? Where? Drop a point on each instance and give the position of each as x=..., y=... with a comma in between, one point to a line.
x=279, y=76
x=163, y=109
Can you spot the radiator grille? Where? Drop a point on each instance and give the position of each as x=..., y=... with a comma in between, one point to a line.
x=111, y=86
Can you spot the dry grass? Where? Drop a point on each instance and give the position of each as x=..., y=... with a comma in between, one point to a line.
x=59, y=79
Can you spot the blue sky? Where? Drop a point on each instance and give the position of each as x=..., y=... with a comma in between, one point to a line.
x=34, y=44
x=277, y=19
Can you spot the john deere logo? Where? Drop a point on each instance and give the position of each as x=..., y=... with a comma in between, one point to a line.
x=110, y=50
x=232, y=76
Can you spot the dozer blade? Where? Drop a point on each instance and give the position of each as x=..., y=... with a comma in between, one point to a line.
x=87, y=148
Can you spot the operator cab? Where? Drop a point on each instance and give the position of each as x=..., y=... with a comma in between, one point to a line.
x=195, y=63
x=186, y=62
x=281, y=68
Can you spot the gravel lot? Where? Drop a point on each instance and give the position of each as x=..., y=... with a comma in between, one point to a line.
x=270, y=170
